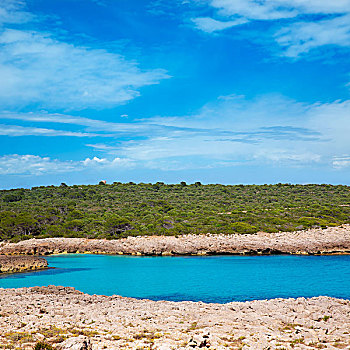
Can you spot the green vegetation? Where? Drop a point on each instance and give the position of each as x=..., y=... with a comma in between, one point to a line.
x=19, y=337
x=119, y=210
x=42, y=346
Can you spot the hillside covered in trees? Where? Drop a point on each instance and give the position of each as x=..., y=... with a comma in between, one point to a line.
x=119, y=210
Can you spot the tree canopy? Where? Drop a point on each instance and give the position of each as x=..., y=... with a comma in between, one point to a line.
x=119, y=210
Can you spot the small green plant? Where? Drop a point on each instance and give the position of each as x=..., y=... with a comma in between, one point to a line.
x=18, y=336
x=42, y=346
x=193, y=326
x=296, y=341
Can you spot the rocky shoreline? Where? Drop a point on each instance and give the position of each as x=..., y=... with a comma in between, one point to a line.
x=333, y=240
x=69, y=319
x=12, y=264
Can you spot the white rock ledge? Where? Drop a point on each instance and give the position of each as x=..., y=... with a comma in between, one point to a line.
x=333, y=240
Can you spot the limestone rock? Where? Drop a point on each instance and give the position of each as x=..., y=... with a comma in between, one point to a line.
x=200, y=341
x=76, y=343
x=114, y=322
x=333, y=240
x=10, y=264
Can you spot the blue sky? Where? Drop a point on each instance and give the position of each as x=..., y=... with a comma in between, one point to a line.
x=218, y=91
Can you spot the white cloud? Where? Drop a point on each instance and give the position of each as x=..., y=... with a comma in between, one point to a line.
x=271, y=129
x=12, y=11
x=116, y=162
x=36, y=68
x=278, y=9
x=301, y=37
x=31, y=164
x=341, y=162
x=287, y=156
x=15, y=130
x=211, y=25
x=95, y=161
x=28, y=164
x=267, y=130
x=296, y=36
x=91, y=124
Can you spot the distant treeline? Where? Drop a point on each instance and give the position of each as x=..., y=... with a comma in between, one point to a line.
x=119, y=210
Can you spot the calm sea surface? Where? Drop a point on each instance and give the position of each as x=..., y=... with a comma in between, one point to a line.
x=211, y=279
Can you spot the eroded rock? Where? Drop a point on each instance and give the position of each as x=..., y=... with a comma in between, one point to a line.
x=76, y=343
x=10, y=264
x=59, y=314
x=333, y=240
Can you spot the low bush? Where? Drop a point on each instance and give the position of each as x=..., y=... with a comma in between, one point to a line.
x=43, y=346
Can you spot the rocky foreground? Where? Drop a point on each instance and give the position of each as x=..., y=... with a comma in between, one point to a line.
x=333, y=240
x=69, y=319
x=10, y=264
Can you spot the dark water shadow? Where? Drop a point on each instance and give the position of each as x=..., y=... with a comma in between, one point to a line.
x=47, y=272
x=237, y=298
x=186, y=297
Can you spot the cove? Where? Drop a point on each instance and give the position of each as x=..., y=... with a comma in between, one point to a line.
x=217, y=279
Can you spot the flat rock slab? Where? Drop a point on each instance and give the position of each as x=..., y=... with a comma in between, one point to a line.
x=64, y=317
x=10, y=264
x=333, y=240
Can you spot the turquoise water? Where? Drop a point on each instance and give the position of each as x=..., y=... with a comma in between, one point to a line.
x=210, y=279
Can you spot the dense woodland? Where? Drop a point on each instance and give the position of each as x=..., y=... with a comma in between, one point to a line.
x=119, y=210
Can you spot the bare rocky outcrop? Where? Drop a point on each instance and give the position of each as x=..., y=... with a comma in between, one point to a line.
x=76, y=343
x=333, y=240
x=69, y=319
x=10, y=264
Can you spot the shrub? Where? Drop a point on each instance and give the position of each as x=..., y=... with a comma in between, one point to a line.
x=119, y=210
x=243, y=227
x=42, y=346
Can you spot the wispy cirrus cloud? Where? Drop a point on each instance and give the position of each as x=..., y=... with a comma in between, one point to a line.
x=164, y=128
x=299, y=26
x=81, y=78
x=59, y=118
x=13, y=12
x=277, y=9
x=301, y=37
x=341, y=162
x=37, y=68
x=91, y=126
x=210, y=25
x=267, y=130
x=16, y=130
